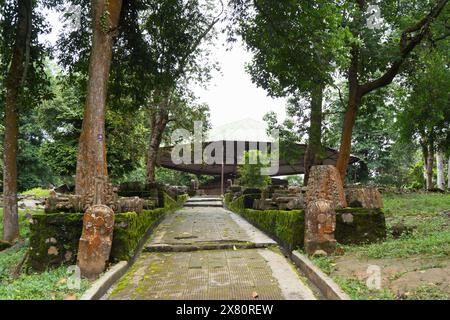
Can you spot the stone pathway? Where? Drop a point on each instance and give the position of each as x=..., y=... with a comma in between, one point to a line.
x=210, y=253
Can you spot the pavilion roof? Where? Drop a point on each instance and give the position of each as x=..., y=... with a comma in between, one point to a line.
x=293, y=165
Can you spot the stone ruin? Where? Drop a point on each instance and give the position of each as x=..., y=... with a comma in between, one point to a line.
x=99, y=205
x=281, y=198
x=127, y=197
x=325, y=193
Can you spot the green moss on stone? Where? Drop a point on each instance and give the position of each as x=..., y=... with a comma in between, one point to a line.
x=54, y=237
x=353, y=225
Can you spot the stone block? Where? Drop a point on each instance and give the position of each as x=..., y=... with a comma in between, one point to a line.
x=363, y=197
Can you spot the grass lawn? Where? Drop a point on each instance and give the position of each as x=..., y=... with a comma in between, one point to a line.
x=415, y=265
x=50, y=285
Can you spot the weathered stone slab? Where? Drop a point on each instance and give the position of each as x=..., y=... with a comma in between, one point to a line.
x=96, y=240
x=70, y=203
x=325, y=184
x=320, y=222
x=363, y=197
x=296, y=203
x=130, y=204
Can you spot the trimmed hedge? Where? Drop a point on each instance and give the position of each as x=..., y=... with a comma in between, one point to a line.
x=54, y=237
x=288, y=227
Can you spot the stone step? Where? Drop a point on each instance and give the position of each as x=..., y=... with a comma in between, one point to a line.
x=203, y=204
x=210, y=245
x=205, y=199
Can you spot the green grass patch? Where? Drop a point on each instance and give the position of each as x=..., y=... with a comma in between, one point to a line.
x=428, y=292
x=325, y=263
x=435, y=243
x=49, y=285
x=415, y=204
x=37, y=192
x=358, y=290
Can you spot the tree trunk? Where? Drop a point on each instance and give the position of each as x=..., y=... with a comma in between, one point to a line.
x=354, y=100
x=91, y=161
x=314, y=149
x=440, y=170
x=157, y=130
x=14, y=83
x=429, y=164
x=448, y=174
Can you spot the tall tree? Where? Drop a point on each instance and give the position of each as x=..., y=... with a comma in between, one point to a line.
x=296, y=47
x=167, y=115
x=365, y=54
x=14, y=84
x=374, y=55
x=178, y=31
x=425, y=116
x=91, y=161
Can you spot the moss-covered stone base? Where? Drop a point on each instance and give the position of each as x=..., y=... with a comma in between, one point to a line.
x=359, y=225
x=54, y=237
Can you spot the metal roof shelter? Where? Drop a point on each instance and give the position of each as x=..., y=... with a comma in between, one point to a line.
x=230, y=169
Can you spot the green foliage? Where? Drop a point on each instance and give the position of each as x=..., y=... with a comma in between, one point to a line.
x=250, y=172
x=287, y=226
x=325, y=263
x=432, y=243
x=178, y=178
x=426, y=112
x=294, y=42
x=38, y=192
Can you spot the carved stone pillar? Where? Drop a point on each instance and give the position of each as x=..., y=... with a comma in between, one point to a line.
x=96, y=239
x=320, y=223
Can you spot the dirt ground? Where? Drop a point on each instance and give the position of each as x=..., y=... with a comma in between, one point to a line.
x=402, y=276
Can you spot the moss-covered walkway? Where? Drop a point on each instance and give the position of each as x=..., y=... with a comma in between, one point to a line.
x=210, y=253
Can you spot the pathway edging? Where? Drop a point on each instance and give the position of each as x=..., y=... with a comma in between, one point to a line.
x=326, y=285
x=102, y=285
